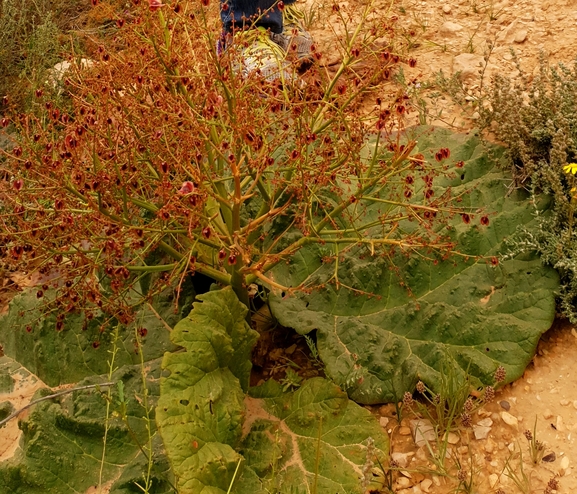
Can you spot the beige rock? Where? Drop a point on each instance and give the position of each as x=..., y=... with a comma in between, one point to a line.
x=383, y=421
x=564, y=465
x=490, y=446
x=453, y=438
x=422, y=431
x=564, y=403
x=547, y=414
x=509, y=419
x=493, y=480
x=449, y=28
x=426, y=485
x=447, y=9
x=481, y=432
x=404, y=431
x=559, y=424
x=403, y=482
x=520, y=36
x=468, y=65
x=402, y=459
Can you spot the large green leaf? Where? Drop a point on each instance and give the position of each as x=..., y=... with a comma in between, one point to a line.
x=311, y=440
x=200, y=410
x=217, y=438
x=61, y=447
x=391, y=324
x=81, y=349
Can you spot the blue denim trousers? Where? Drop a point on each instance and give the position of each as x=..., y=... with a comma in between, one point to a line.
x=242, y=14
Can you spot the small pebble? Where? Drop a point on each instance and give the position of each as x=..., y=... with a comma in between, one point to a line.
x=481, y=432
x=383, y=421
x=559, y=423
x=403, y=482
x=575, y=404
x=493, y=479
x=549, y=458
x=564, y=403
x=521, y=36
x=402, y=459
x=404, y=431
x=547, y=414
x=564, y=463
x=447, y=8
x=505, y=405
x=509, y=419
x=453, y=438
x=489, y=446
x=426, y=485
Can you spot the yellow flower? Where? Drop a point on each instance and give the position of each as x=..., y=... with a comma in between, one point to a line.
x=570, y=168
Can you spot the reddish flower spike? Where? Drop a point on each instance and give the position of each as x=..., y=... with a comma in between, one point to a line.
x=18, y=184
x=186, y=188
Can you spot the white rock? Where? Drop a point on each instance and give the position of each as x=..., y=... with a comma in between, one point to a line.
x=485, y=422
x=402, y=459
x=383, y=421
x=575, y=404
x=426, y=485
x=520, y=36
x=422, y=431
x=450, y=28
x=56, y=74
x=509, y=419
x=481, y=432
x=493, y=480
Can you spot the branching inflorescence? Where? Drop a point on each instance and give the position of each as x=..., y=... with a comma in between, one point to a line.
x=165, y=159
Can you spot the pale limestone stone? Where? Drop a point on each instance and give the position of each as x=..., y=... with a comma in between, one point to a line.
x=520, y=36
x=493, y=480
x=426, y=485
x=422, y=431
x=509, y=419
x=449, y=28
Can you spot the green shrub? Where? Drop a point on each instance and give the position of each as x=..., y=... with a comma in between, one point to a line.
x=538, y=123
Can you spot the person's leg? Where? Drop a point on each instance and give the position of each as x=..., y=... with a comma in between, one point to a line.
x=241, y=14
